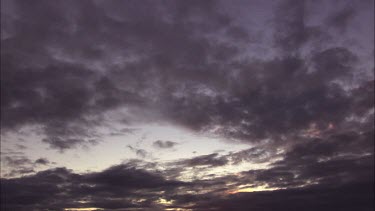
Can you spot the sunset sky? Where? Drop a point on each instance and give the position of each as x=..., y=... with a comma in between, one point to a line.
x=187, y=105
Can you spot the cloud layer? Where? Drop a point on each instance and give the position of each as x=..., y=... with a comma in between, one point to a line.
x=293, y=80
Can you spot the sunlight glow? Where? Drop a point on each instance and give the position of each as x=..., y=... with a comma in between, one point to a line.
x=245, y=188
x=165, y=202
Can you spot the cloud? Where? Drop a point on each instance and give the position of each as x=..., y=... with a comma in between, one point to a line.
x=164, y=144
x=349, y=197
x=303, y=104
x=42, y=161
x=342, y=18
x=21, y=147
x=115, y=187
x=70, y=143
x=17, y=160
x=192, y=74
x=129, y=185
x=16, y=165
x=64, y=82
x=139, y=152
x=211, y=160
x=127, y=177
x=253, y=155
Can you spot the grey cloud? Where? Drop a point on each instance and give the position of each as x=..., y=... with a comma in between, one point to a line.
x=327, y=161
x=259, y=106
x=70, y=143
x=128, y=177
x=211, y=160
x=57, y=82
x=139, y=152
x=253, y=155
x=67, y=188
x=129, y=186
x=42, y=161
x=65, y=64
x=350, y=197
x=21, y=147
x=17, y=165
x=123, y=131
x=292, y=32
x=17, y=160
x=342, y=18
x=164, y=144
x=188, y=77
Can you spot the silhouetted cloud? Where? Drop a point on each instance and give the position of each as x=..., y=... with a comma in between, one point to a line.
x=115, y=187
x=126, y=185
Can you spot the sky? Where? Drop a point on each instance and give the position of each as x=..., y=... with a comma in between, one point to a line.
x=187, y=105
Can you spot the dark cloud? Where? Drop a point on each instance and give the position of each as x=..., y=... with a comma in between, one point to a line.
x=260, y=107
x=291, y=28
x=253, y=155
x=341, y=18
x=128, y=130
x=128, y=177
x=60, y=85
x=69, y=69
x=350, y=197
x=123, y=131
x=17, y=160
x=17, y=165
x=328, y=162
x=211, y=160
x=115, y=187
x=42, y=161
x=164, y=144
x=129, y=186
x=64, y=144
x=190, y=75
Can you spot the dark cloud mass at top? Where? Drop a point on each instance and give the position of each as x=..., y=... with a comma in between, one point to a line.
x=293, y=79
